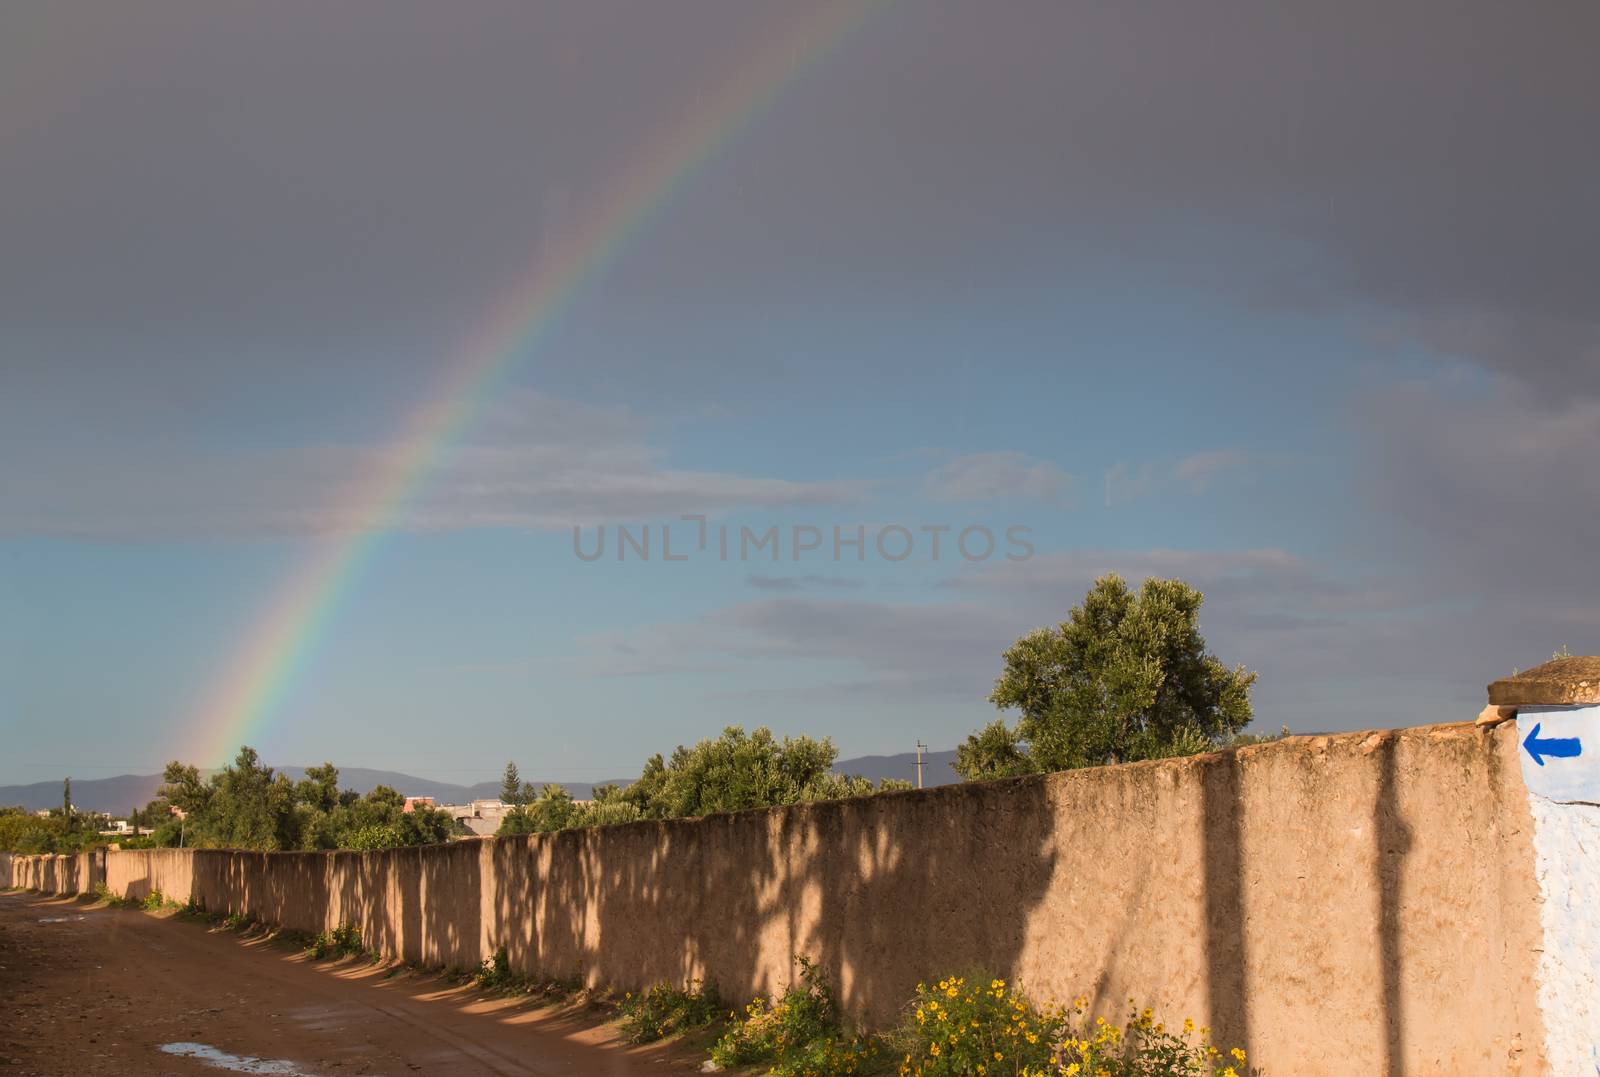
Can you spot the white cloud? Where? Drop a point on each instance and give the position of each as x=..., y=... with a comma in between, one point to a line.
x=992, y=476
x=1199, y=470
x=536, y=462
x=1127, y=482
x=810, y=581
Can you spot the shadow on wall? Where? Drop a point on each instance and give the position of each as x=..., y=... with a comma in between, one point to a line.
x=451, y=902
x=1393, y=838
x=1227, y=879
x=1226, y=955
x=54, y=873
x=882, y=892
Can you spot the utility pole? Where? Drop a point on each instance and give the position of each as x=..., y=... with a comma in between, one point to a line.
x=920, y=747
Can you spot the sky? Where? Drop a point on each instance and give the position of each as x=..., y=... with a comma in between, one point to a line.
x=1296, y=302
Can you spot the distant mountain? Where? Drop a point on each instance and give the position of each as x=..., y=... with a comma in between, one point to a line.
x=936, y=767
x=120, y=794
x=116, y=795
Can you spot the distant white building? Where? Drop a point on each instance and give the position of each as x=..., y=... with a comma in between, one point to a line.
x=480, y=816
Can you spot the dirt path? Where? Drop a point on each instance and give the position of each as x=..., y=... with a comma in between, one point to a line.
x=93, y=990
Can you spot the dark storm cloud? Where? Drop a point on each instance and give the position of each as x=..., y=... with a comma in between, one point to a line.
x=1494, y=496
x=311, y=172
x=204, y=201
x=307, y=170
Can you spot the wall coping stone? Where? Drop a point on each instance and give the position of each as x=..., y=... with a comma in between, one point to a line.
x=1563, y=682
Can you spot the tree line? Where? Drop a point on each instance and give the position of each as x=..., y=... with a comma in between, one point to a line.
x=736, y=770
x=1126, y=676
x=61, y=830
x=247, y=806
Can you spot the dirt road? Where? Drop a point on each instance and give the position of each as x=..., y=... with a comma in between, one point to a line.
x=94, y=990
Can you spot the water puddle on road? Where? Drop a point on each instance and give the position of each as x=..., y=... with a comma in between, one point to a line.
x=222, y=1060
x=60, y=919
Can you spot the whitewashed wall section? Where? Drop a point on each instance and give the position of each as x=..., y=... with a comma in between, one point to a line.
x=1561, y=767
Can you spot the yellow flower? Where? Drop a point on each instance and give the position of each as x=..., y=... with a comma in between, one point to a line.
x=1238, y=1055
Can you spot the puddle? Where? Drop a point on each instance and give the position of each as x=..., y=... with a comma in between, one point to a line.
x=60, y=919
x=222, y=1060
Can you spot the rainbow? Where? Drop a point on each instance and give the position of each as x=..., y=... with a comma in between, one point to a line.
x=263, y=668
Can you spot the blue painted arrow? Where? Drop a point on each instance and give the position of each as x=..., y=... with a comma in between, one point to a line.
x=1554, y=747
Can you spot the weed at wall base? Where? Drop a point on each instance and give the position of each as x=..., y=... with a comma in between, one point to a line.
x=977, y=1024
x=342, y=941
x=960, y=1027
x=496, y=974
x=667, y=1010
x=154, y=901
x=797, y=1033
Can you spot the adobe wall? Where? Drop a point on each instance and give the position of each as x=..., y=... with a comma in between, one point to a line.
x=1364, y=902
x=79, y=873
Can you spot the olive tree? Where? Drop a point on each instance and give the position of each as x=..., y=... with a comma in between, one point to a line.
x=1126, y=676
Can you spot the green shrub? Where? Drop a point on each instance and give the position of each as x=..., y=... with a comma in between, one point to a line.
x=665, y=1010
x=797, y=1033
x=495, y=971
x=979, y=1025
x=375, y=836
x=342, y=941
